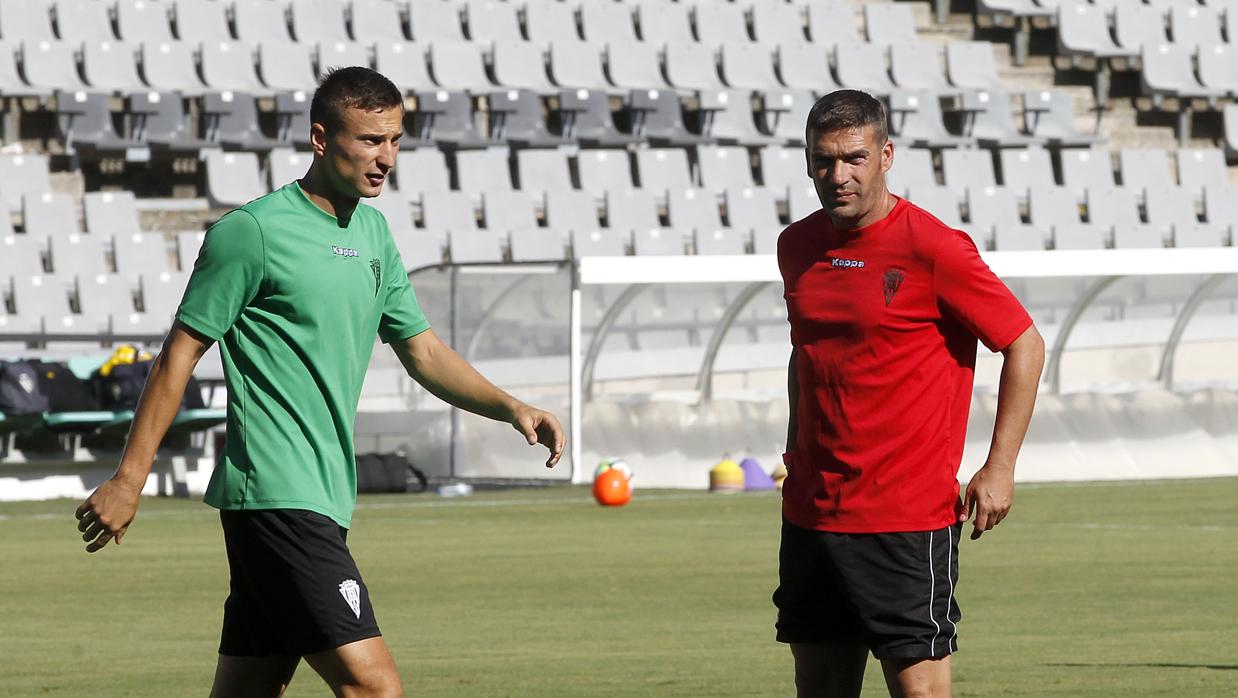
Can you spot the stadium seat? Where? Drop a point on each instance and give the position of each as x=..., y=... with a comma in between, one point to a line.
x=724, y=167
x=229, y=66
x=863, y=67
x=474, y=246
x=832, y=24
x=1169, y=71
x=256, y=22
x=1137, y=237
x=404, y=64
x=548, y=21
x=775, y=24
x=339, y=54
x=445, y=118
x=188, y=243
x=111, y=212
x=1079, y=237
x=692, y=66
x=585, y=118
x=1026, y=168
x=483, y=171
x=1169, y=207
x=27, y=21
x=317, y=20
x=74, y=253
x=138, y=253
x=421, y=170
x=1083, y=31
x=44, y=300
x=916, y=65
x=754, y=212
x=82, y=20
x=1218, y=65
x=1083, y=168
x=232, y=179
x=1198, y=235
x=435, y=21
x=598, y=243
x=541, y=171
x=783, y=167
x=727, y=117
x=144, y=21
x=50, y=65
x=376, y=20
x=285, y=165
x=1115, y=207
x=806, y=67
x=889, y=24
x=537, y=245
x=664, y=23
x=575, y=64
x=663, y=169
x=604, y=170
x=21, y=175
x=1018, y=237
x=634, y=65
x=292, y=118
x=916, y=119
x=990, y=209
x=786, y=114
x=967, y=169
x=1229, y=130
x=198, y=21
x=158, y=121
x=802, y=201
x=1050, y=208
x=719, y=241
x=632, y=209
x=942, y=202
x=656, y=242
x=1138, y=27
x=231, y=119
x=418, y=249
x=49, y=214
x=286, y=67
x=604, y=22
x=970, y=66
x=111, y=66
x=20, y=254
x=913, y=167
x=84, y=123
x=442, y=211
x=395, y=209
x=657, y=117
x=748, y=66
x=521, y=65
x=169, y=67
x=693, y=209
x=1050, y=115
x=987, y=119
x=516, y=118
x=505, y=211
x=1195, y=26
x=459, y=65
x=492, y=21
x=1199, y=167
x=11, y=81
x=162, y=292
x=1142, y=168
x=571, y=210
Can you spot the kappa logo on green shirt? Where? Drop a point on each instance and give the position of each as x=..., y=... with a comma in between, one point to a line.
x=344, y=251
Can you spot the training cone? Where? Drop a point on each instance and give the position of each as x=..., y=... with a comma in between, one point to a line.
x=726, y=476
x=754, y=477
x=778, y=475
x=611, y=488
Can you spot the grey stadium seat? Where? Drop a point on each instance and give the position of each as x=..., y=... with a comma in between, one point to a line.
x=863, y=67
x=662, y=169
x=292, y=118
x=21, y=175
x=1050, y=115
x=1116, y=207
x=657, y=117
x=45, y=299
x=656, y=242
x=162, y=292
x=20, y=254
x=719, y=23
x=546, y=21
x=693, y=209
x=111, y=212
x=49, y=213
x=516, y=118
x=82, y=20
x=404, y=64
x=1169, y=70
x=473, y=246
x=724, y=167
x=111, y=65
x=395, y=209
x=1169, y=207
x=260, y=21
x=543, y=170
x=802, y=201
x=571, y=210
x=421, y=170
x=1195, y=26
x=778, y=24
x=664, y=23
x=727, y=117
x=1200, y=167
x=11, y=81
x=1138, y=26
x=139, y=253
x=806, y=67
x=376, y=20
x=77, y=254
x=339, y=54
x=285, y=165
x=1138, y=237
x=188, y=244
x=916, y=119
x=917, y=66
x=50, y=65
x=748, y=66
x=321, y=20
x=967, y=169
x=1083, y=168
x=832, y=23
x=634, y=65
x=691, y=66
x=231, y=119
x=1079, y=237
x=1198, y=235
x=599, y=243
x=448, y=210
x=585, y=118
x=106, y=300
x=1024, y=169
x=30, y=21
x=575, y=64
x=521, y=65
x=632, y=209
x=492, y=21
x=481, y=171
x=537, y=244
x=942, y=202
x=1018, y=237
x=889, y=24
x=446, y=118
x=753, y=209
x=1052, y=207
x=201, y=21
x=1229, y=129
x=84, y=122
x=508, y=210
x=970, y=65
x=604, y=170
x=1144, y=167
x=1083, y=30
x=229, y=65
x=435, y=21
x=286, y=67
x=144, y=20
x=459, y=66
x=1218, y=65
x=232, y=179
x=169, y=67
x=719, y=241
x=786, y=113
x=607, y=22
x=783, y=167
x=913, y=167
x=988, y=120
x=418, y=249
x=990, y=209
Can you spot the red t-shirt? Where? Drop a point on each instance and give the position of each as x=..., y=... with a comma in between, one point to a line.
x=885, y=320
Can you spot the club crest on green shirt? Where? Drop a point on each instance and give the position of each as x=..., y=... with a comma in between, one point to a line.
x=376, y=267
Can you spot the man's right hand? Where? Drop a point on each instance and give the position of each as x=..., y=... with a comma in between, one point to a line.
x=107, y=513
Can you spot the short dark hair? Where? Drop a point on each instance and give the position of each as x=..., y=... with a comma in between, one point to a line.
x=342, y=88
x=844, y=110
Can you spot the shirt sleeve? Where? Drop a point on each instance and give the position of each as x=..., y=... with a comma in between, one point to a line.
x=402, y=317
x=226, y=275
x=969, y=291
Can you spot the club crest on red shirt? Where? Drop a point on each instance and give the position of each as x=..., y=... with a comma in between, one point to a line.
x=890, y=282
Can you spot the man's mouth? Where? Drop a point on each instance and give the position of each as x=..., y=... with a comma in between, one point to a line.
x=375, y=179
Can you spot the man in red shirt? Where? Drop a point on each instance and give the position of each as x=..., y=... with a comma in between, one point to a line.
x=886, y=304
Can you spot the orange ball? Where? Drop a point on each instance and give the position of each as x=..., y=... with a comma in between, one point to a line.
x=612, y=489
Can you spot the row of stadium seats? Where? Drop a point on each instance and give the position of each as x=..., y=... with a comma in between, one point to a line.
x=824, y=22
x=88, y=304
x=130, y=254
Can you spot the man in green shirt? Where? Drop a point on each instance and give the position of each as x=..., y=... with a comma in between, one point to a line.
x=294, y=286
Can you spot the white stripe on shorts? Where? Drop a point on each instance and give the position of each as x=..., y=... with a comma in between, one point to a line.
x=932, y=589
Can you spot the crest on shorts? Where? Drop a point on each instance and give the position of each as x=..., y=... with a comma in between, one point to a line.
x=890, y=283
x=351, y=591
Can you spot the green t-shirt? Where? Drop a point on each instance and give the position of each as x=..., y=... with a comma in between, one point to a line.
x=295, y=301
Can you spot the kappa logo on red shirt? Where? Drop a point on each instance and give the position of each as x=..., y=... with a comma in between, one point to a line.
x=890, y=283
x=840, y=263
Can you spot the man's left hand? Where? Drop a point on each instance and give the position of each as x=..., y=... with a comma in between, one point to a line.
x=988, y=494
x=540, y=426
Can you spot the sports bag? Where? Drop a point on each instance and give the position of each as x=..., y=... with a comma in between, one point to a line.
x=65, y=391
x=19, y=389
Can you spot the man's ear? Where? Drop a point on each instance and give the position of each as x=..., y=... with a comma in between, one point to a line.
x=318, y=138
x=887, y=155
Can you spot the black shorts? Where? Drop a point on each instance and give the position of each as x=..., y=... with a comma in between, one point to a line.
x=894, y=592
x=295, y=589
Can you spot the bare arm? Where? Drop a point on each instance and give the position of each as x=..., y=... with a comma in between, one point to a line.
x=992, y=487
x=108, y=511
x=793, y=396
x=450, y=378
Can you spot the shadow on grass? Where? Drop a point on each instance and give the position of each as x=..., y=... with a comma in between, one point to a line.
x=1149, y=665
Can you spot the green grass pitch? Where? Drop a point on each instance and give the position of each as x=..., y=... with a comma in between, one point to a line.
x=1089, y=590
